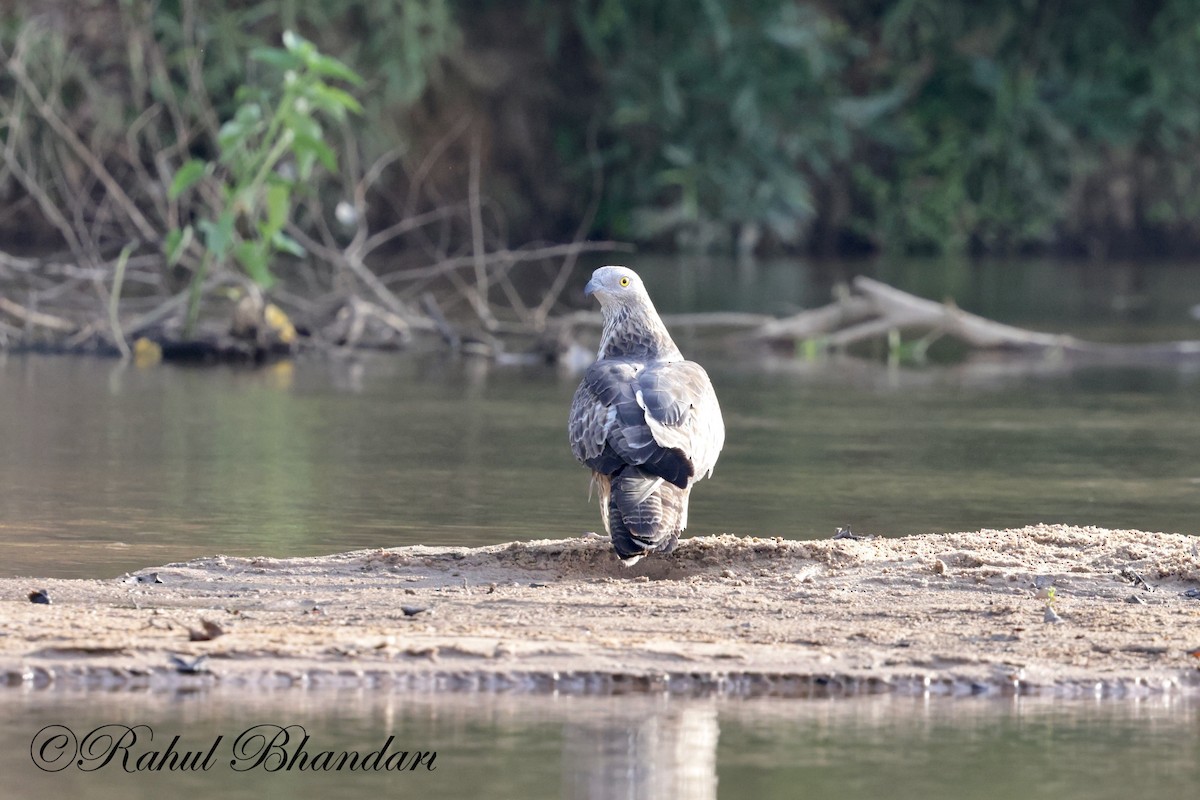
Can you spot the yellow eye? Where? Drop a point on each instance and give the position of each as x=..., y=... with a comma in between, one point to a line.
x=624, y=281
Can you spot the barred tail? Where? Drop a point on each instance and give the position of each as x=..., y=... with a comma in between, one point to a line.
x=645, y=514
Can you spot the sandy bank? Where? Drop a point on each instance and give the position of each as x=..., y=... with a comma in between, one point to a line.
x=945, y=613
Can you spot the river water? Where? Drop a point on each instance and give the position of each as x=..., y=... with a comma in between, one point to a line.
x=613, y=748
x=106, y=468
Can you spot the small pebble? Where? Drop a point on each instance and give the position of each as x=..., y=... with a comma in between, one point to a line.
x=40, y=596
x=1051, y=616
x=208, y=631
x=310, y=606
x=186, y=667
x=412, y=611
x=845, y=533
x=149, y=577
x=1133, y=598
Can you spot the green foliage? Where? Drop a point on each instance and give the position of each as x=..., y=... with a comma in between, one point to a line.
x=920, y=126
x=1034, y=125
x=268, y=152
x=903, y=126
x=717, y=115
x=399, y=44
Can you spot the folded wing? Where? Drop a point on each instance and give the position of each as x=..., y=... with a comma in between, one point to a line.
x=662, y=417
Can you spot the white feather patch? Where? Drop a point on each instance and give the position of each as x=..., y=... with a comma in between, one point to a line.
x=649, y=490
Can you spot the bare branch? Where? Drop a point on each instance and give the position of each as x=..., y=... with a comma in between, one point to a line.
x=479, y=297
x=45, y=111
x=37, y=318
x=537, y=254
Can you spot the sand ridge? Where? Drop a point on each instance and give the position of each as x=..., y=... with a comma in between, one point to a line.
x=945, y=613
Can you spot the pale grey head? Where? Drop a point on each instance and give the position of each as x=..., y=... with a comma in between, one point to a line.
x=615, y=285
x=632, y=327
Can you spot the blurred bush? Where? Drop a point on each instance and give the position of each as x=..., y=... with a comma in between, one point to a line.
x=907, y=126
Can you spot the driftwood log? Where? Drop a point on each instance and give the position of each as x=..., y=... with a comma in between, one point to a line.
x=874, y=310
x=866, y=311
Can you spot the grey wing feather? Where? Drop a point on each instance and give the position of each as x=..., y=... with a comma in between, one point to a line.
x=663, y=417
x=589, y=424
x=682, y=411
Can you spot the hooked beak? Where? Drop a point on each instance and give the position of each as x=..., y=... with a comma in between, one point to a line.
x=592, y=287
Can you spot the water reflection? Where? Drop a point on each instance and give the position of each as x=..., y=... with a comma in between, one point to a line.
x=672, y=753
x=629, y=747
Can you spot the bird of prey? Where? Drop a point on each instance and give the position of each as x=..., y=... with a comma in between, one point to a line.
x=644, y=420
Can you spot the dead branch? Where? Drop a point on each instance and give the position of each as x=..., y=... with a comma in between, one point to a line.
x=911, y=311
x=716, y=319
x=478, y=296
x=449, y=334
x=36, y=318
x=448, y=265
x=360, y=270
x=16, y=68
x=878, y=309
x=817, y=321
x=362, y=323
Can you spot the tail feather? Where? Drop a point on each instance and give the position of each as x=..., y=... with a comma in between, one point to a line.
x=644, y=513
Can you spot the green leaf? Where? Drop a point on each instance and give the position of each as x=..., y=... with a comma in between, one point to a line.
x=306, y=145
x=247, y=120
x=255, y=95
x=276, y=57
x=286, y=244
x=186, y=177
x=176, y=244
x=249, y=114
x=333, y=101
x=330, y=67
x=304, y=165
x=218, y=236
x=678, y=156
x=253, y=259
x=862, y=111
x=278, y=204
x=302, y=125
x=299, y=46
x=230, y=135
